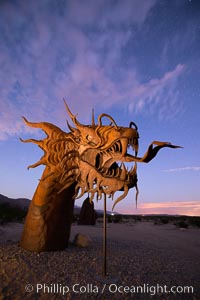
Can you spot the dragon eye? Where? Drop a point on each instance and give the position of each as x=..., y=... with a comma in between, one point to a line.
x=89, y=137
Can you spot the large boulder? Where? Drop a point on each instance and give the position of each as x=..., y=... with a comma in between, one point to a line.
x=87, y=213
x=82, y=240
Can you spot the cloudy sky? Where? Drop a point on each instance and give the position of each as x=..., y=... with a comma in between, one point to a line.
x=138, y=60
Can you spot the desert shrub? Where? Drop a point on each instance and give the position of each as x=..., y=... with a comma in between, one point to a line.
x=182, y=224
x=157, y=222
x=164, y=220
x=75, y=219
x=194, y=221
x=161, y=220
x=10, y=213
x=109, y=219
x=99, y=220
x=117, y=218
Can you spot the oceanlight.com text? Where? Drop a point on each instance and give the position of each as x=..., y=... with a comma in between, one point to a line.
x=150, y=289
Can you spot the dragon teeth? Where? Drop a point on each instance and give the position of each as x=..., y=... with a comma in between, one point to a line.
x=124, y=147
x=117, y=172
x=112, y=173
x=119, y=145
x=123, y=172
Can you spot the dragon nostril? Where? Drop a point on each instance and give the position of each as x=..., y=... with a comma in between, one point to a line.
x=97, y=162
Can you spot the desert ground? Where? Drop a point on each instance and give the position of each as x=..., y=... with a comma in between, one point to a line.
x=139, y=255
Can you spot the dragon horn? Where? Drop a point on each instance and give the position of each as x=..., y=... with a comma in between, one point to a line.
x=73, y=117
x=71, y=128
x=109, y=117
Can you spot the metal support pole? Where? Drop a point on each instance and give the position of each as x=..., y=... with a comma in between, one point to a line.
x=104, y=239
x=105, y=278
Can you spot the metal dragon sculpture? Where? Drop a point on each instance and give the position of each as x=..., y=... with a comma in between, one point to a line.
x=89, y=159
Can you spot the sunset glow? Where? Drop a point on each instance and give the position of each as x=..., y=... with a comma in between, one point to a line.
x=172, y=208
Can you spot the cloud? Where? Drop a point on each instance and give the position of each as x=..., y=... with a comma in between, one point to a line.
x=75, y=49
x=108, y=13
x=176, y=208
x=193, y=168
x=181, y=41
x=157, y=94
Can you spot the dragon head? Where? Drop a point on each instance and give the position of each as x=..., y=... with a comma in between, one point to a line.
x=103, y=150
x=93, y=156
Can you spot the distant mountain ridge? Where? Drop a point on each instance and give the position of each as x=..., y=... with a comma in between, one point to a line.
x=19, y=202
x=24, y=203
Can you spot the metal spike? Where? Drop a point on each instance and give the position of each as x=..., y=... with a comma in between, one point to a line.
x=131, y=170
x=120, y=146
x=66, y=185
x=83, y=191
x=73, y=117
x=123, y=172
x=112, y=173
x=40, y=162
x=135, y=168
x=70, y=127
x=137, y=193
x=40, y=143
x=109, y=117
x=122, y=196
x=117, y=172
x=93, y=122
x=48, y=128
x=107, y=172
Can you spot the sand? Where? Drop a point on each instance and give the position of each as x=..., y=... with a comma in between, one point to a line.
x=138, y=254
